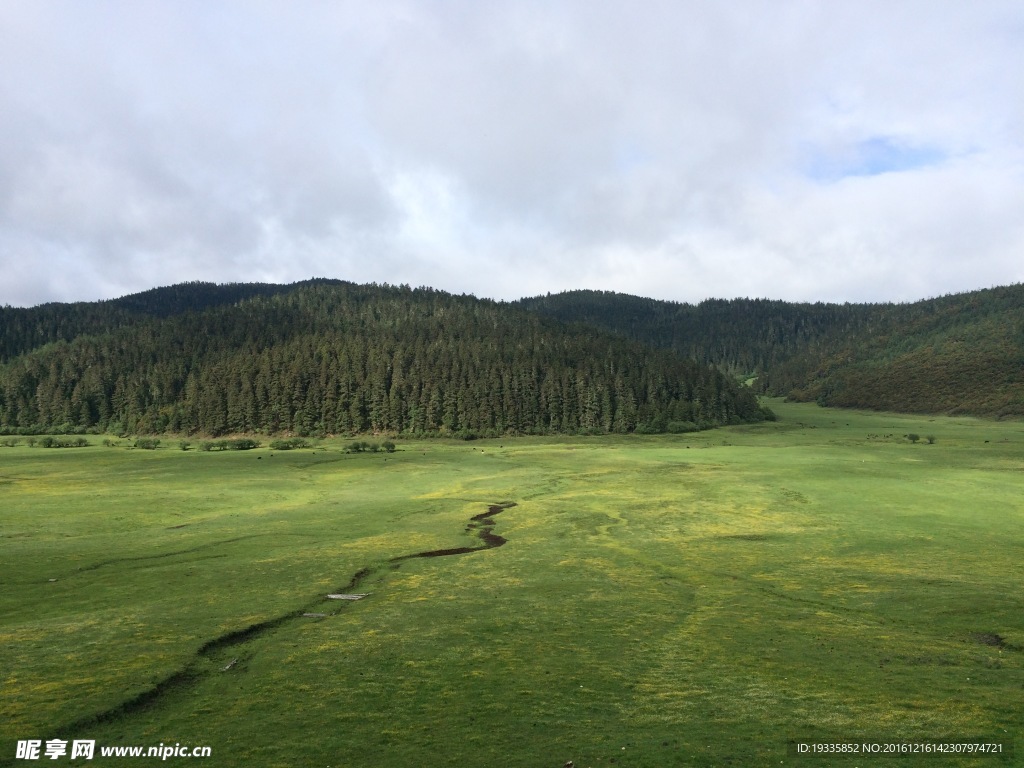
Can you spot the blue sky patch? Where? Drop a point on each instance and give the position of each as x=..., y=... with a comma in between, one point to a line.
x=872, y=157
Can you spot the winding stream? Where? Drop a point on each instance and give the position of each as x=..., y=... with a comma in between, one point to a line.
x=213, y=650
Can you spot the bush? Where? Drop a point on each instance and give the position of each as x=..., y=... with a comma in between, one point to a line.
x=361, y=446
x=184, y=444
x=53, y=442
x=679, y=427
x=388, y=446
x=913, y=438
x=147, y=443
x=9, y=442
x=243, y=444
x=289, y=444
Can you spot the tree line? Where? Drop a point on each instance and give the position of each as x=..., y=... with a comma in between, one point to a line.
x=326, y=357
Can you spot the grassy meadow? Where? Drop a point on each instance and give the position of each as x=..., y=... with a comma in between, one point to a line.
x=672, y=600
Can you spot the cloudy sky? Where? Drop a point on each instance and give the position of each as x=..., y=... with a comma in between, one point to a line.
x=686, y=149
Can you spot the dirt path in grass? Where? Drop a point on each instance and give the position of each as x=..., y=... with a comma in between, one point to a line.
x=215, y=650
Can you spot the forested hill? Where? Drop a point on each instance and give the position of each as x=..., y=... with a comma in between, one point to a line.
x=740, y=335
x=22, y=330
x=332, y=357
x=961, y=353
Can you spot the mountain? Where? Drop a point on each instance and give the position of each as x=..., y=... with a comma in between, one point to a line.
x=326, y=357
x=955, y=354
x=740, y=336
x=962, y=353
x=22, y=330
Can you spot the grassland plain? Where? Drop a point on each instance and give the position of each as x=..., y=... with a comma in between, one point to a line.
x=696, y=599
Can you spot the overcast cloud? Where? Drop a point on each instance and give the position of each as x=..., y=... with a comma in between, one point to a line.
x=835, y=151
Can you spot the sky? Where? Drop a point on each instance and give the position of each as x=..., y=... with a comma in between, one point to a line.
x=687, y=149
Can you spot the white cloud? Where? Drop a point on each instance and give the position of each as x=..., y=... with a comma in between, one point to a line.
x=860, y=151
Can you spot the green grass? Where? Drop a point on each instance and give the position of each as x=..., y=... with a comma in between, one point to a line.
x=696, y=599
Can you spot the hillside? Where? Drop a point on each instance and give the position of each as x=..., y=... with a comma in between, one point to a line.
x=22, y=330
x=740, y=335
x=326, y=357
x=955, y=354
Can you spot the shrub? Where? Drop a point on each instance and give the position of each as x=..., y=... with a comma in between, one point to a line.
x=53, y=442
x=361, y=446
x=913, y=437
x=147, y=443
x=289, y=444
x=242, y=444
x=388, y=446
x=214, y=445
x=679, y=427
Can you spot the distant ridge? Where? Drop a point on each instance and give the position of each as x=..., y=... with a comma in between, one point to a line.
x=962, y=353
x=198, y=296
x=22, y=330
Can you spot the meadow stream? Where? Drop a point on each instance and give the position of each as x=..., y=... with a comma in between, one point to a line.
x=212, y=655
